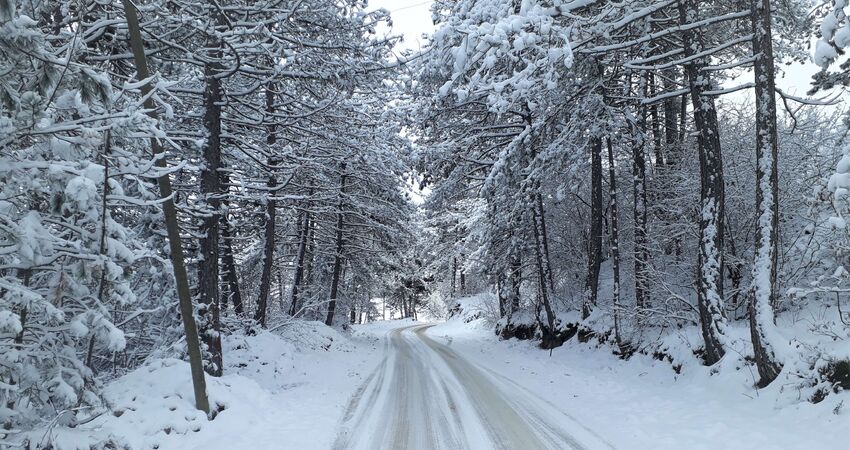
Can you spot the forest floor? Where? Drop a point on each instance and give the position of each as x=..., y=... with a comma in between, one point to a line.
x=452, y=385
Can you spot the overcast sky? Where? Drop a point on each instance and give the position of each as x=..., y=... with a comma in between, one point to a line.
x=411, y=18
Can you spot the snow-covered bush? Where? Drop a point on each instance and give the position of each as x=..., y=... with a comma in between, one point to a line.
x=71, y=200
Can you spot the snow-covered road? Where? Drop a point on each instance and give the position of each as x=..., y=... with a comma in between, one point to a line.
x=424, y=395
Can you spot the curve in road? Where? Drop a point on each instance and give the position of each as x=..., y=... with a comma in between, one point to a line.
x=424, y=395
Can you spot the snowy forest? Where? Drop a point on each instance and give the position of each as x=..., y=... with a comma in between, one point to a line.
x=214, y=208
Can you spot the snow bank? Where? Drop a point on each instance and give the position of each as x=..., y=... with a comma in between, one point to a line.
x=640, y=403
x=306, y=364
x=472, y=308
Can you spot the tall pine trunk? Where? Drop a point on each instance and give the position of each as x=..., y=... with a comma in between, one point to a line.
x=227, y=260
x=594, y=245
x=671, y=132
x=516, y=280
x=549, y=334
x=710, y=259
x=544, y=235
x=169, y=211
x=641, y=251
x=337, y=269
x=303, y=238
x=269, y=228
x=208, y=269
x=615, y=240
x=763, y=298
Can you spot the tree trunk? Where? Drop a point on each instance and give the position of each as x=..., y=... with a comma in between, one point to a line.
x=309, y=273
x=763, y=299
x=500, y=295
x=516, y=281
x=338, y=253
x=594, y=245
x=280, y=290
x=208, y=270
x=641, y=252
x=549, y=335
x=615, y=240
x=454, y=276
x=710, y=259
x=269, y=230
x=181, y=279
x=230, y=267
x=671, y=132
x=656, y=122
x=403, y=305
x=545, y=238
x=304, y=235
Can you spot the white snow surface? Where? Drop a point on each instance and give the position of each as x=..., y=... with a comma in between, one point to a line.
x=291, y=391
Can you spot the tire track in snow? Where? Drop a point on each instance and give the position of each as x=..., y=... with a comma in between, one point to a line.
x=423, y=395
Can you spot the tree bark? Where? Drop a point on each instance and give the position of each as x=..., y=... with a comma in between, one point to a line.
x=208, y=269
x=229, y=264
x=641, y=251
x=181, y=279
x=544, y=235
x=454, y=276
x=338, y=250
x=671, y=132
x=763, y=299
x=594, y=245
x=269, y=229
x=658, y=148
x=615, y=240
x=462, y=283
x=549, y=335
x=304, y=235
x=500, y=295
x=516, y=281
x=712, y=201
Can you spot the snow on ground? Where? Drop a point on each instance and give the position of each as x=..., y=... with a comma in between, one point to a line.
x=288, y=390
x=283, y=390
x=643, y=404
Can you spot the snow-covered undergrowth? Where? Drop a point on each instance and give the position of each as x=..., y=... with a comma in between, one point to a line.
x=643, y=403
x=276, y=386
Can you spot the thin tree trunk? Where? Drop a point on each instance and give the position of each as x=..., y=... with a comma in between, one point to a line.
x=181, y=280
x=280, y=290
x=500, y=295
x=403, y=305
x=710, y=260
x=104, y=215
x=549, y=335
x=615, y=240
x=545, y=238
x=309, y=273
x=516, y=281
x=641, y=253
x=454, y=276
x=338, y=250
x=304, y=235
x=594, y=245
x=229, y=268
x=671, y=133
x=763, y=300
x=656, y=122
x=268, y=232
x=462, y=283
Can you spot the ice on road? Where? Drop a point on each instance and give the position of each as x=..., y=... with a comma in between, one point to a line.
x=424, y=395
